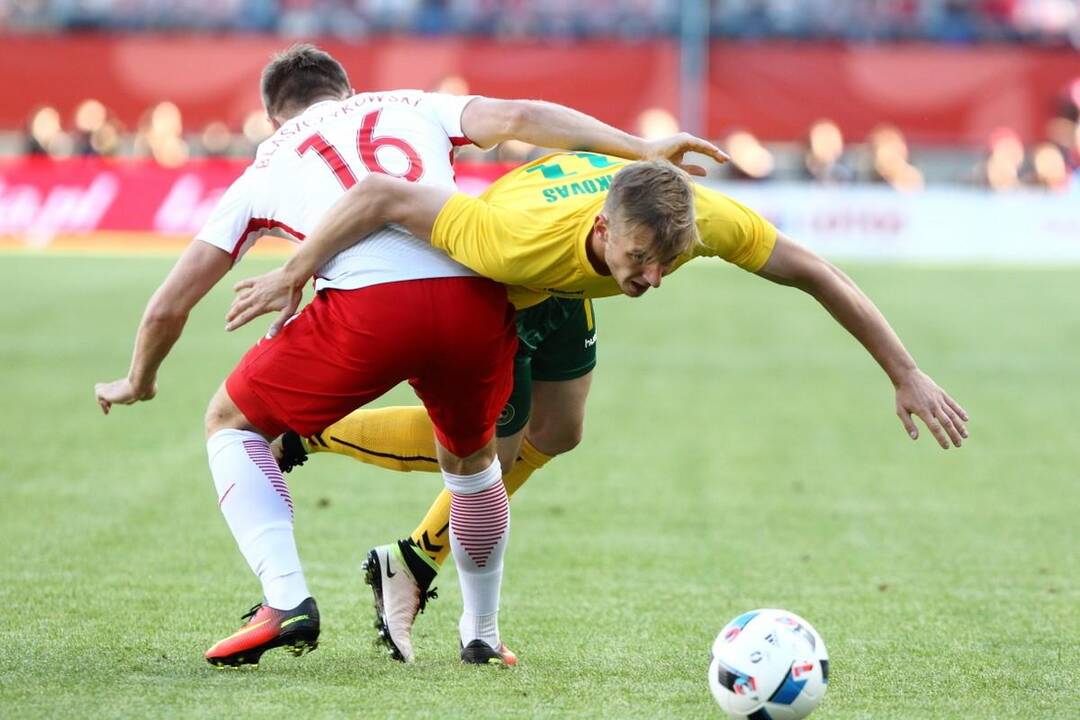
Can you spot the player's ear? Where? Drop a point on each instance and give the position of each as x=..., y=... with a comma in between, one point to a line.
x=600, y=225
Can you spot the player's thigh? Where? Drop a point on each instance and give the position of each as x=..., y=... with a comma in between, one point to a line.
x=562, y=367
x=558, y=414
x=346, y=348
x=469, y=373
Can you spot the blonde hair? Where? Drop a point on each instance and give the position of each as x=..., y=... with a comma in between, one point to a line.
x=656, y=195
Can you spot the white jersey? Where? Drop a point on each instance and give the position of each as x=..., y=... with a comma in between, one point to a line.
x=306, y=166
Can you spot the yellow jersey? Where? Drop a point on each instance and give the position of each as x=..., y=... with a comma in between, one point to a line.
x=530, y=228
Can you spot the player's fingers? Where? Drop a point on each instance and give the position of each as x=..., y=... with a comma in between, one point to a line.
x=946, y=421
x=957, y=420
x=695, y=170
x=955, y=406
x=104, y=404
x=707, y=148
x=282, y=318
x=243, y=284
x=241, y=317
x=934, y=427
x=239, y=305
x=704, y=147
x=238, y=321
x=908, y=423
x=720, y=156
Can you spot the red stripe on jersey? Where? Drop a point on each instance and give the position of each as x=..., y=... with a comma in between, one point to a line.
x=255, y=224
x=459, y=141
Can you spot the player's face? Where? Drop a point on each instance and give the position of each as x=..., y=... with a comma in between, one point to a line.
x=631, y=260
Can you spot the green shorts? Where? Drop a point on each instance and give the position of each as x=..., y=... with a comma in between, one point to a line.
x=556, y=341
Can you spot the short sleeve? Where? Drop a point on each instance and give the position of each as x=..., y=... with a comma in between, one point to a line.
x=480, y=236
x=447, y=110
x=732, y=231
x=228, y=224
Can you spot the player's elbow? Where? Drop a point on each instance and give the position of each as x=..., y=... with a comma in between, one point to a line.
x=164, y=310
x=821, y=279
x=379, y=196
x=511, y=119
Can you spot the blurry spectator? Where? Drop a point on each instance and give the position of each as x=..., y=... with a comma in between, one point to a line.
x=656, y=123
x=257, y=127
x=41, y=128
x=452, y=85
x=216, y=140
x=95, y=132
x=750, y=160
x=823, y=160
x=1048, y=168
x=161, y=135
x=1001, y=169
x=889, y=160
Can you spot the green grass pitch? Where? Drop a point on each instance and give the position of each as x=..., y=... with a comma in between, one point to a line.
x=741, y=451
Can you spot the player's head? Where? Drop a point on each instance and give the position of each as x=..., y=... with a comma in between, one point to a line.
x=299, y=77
x=647, y=222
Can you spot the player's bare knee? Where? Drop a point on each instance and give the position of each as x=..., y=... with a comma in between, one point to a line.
x=469, y=464
x=223, y=414
x=556, y=439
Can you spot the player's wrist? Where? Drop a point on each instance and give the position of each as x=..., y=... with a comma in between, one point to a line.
x=295, y=276
x=140, y=384
x=645, y=149
x=903, y=375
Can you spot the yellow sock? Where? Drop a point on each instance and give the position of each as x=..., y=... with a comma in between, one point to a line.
x=432, y=536
x=396, y=438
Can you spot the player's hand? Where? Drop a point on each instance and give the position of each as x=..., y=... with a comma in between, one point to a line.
x=673, y=148
x=121, y=392
x=260, y=295
x=919, y=395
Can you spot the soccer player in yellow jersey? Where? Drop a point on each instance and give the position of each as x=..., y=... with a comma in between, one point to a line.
x=557, y=232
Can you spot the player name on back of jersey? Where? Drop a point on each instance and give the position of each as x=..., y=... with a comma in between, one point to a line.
x=330, y=110
x=316, y=157
x=585, y=187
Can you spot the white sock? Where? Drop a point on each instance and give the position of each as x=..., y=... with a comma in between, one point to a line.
x=479, y=529
x=257, y=506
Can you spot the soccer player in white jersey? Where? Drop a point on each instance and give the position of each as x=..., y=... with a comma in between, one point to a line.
x=387, y=310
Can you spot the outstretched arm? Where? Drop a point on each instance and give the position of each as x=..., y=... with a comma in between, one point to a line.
x=489, y=121
x=916, y=393
x=199, y=268
x=375, y=201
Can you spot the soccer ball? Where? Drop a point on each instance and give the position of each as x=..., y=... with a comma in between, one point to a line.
x=768, y=665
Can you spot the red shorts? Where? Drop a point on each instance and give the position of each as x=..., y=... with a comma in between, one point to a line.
x=453, y=339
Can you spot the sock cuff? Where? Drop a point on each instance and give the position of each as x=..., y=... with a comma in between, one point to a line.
x=472, y=484
x=531, y=456
x=224, y=438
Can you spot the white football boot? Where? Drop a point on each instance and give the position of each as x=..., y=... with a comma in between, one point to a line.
x=398, y=599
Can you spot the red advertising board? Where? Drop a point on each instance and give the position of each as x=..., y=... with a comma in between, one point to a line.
x=41, y=199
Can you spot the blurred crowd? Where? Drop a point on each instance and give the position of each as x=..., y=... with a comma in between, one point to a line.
x=1035, y=21
x=160, y=135
x=825, y=157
